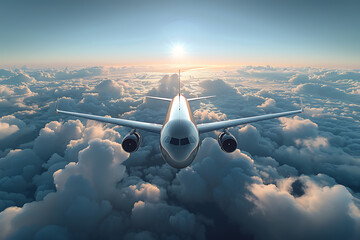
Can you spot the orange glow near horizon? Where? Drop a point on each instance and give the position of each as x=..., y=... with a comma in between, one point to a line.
x=172, y=63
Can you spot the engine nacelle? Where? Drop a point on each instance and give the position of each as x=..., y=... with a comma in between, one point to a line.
x=131, y=142
x=227, y=142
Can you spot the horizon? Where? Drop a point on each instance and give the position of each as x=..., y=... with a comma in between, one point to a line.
x=170, y=68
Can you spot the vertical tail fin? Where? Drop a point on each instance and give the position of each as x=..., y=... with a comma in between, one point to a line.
x=179, y=83
x=179, y=89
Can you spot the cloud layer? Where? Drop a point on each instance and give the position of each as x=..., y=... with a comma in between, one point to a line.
x=295, y=177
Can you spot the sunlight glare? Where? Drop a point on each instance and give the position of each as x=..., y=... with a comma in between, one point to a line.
x=178, y=50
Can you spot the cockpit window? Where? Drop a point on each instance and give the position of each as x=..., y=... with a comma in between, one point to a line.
x=174, y=141
x=184, y=141
x=177, y=141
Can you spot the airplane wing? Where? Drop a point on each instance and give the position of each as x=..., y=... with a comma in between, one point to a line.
x=208, y=127
x=150, y=127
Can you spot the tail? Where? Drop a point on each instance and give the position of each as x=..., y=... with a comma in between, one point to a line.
x=179, y=84
x=179, y=89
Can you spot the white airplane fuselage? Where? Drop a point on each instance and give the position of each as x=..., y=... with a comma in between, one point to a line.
x=179, y=137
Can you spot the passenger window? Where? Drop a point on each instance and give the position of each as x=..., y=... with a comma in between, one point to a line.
x=184, y=141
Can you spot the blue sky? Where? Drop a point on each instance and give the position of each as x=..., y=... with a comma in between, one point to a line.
x=293, y=33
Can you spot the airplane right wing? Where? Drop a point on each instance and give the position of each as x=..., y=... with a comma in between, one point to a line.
x=208, y=127
x=150, y=127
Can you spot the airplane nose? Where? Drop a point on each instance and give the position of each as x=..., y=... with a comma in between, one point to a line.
x=179, y=142
x=179, y=158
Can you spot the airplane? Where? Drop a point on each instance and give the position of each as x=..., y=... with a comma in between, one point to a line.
x=179, y=134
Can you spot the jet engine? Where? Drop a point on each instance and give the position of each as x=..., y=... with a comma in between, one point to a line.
x=227, y=141
x=131, y=141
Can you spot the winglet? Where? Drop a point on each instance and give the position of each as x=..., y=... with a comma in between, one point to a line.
x=301, y=105
x=56, y=106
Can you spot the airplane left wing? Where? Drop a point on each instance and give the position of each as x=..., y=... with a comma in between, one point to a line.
x=208, y=127
x=150, y=127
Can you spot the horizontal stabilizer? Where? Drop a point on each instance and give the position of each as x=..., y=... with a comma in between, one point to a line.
x=200, y=98
x=159, y=98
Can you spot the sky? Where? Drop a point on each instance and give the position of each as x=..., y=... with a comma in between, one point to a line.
x=88, y=33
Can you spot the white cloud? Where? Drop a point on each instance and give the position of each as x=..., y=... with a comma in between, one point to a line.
x=77, y=182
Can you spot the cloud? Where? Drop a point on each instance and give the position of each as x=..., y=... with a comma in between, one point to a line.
x=54, y=137
x=267, y=72
x=14, y=132
x=5, y=91
x=68, y=177
x=339, y=75
x=86, y=195
x=6, y=73
x=77, y=188
x=110, y=89
x=6, y=130
x=321, y=212
x=42, y=76
x=268, y=103
x=299, y=79
x=297, y=128
x=19, y=79
x=250, y=140
x=18, y=168
x=81, y=73
x=207, y=115
x=321, y=90
x=168, y=87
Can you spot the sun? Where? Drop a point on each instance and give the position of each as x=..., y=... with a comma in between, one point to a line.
x=178, y=50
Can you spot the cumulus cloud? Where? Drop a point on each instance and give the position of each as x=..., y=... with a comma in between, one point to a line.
x=87, y=196
x=316, y=213
x=14, y=131
x=250, y=140
x=67, y=177
x=268, y=103
x=299, y=79
x=205, y=115
x=297, y=128
x=6, y=73
x=6, y=130
x=42, y=76
x=19, y=79
x=81, y=73
x=110, y=89
x=54, y=137
x=321, y=90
